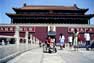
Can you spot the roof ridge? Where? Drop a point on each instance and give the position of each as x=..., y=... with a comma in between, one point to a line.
x=47, y=6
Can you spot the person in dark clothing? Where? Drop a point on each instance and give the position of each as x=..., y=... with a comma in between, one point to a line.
x=92, y=45
x=39, y=44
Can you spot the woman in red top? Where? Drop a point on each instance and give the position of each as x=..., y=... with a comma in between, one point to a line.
x=48, y=41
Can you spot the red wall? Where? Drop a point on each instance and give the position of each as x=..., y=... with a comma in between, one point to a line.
x=41, y=33
x=7, y=33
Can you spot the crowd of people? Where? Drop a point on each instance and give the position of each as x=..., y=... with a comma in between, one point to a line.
x=74, y=39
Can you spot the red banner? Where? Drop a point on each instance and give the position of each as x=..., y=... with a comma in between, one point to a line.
x=25, y=28
x=91, y=30
x=13, y=28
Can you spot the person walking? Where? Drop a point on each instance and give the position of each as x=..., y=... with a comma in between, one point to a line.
x=87, y=39
x=61, y=39
x=70, y=39
x=75, y=41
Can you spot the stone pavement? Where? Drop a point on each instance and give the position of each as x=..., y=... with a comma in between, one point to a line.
x=9, y=51
x=37, y=56
x=28, y=57
x=62, y=56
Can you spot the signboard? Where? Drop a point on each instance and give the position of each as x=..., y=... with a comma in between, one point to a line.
x=7, y=28
x=25, y=28
x=82, y=30
x=13, y=28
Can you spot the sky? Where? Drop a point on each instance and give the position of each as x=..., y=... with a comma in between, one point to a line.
x=7, y=5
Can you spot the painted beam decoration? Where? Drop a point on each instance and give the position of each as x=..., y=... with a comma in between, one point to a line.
x=12, y=29
x=81, y=30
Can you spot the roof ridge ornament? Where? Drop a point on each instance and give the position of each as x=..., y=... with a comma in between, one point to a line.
x=25, y=4
x=75, y=5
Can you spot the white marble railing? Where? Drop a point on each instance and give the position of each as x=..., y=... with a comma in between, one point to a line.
x=57, y=25
x=11, y=50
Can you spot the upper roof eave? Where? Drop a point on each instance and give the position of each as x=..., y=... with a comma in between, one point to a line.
x=11, y=15
x=79, y=10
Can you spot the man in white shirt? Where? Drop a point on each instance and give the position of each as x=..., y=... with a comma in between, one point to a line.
x=87, y=38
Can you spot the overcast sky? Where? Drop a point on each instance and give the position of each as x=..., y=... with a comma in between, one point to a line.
x=7, y=5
